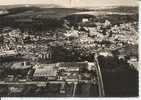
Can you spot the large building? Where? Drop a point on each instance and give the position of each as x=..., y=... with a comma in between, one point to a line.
x=67, y=71
x=45, y=71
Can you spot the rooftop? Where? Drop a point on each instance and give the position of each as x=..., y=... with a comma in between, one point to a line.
x=46, y=69
x=21, y=65
x=73, y=64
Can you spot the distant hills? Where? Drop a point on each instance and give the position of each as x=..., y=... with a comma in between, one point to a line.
x=13, y=14
x=104, y=8
x=126, y=9
x=43, y=11
x=30, y=5
x=57, y=10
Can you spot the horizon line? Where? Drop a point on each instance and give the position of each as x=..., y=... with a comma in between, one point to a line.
x=72, y=6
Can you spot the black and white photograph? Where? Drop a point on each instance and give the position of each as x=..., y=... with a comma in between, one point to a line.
x=69, y=48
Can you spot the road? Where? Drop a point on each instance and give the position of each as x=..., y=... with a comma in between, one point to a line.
x=40, y=82
x=100, y=80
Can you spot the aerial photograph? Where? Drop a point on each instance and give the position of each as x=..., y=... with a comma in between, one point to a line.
x=69, y=48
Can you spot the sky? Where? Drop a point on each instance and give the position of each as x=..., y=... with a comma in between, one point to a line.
x=74, y=3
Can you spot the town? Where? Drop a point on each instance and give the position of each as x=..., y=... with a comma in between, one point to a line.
x=51, y=56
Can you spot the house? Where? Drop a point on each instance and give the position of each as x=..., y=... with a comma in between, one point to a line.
x=133, y=61
x=85, y=20
x=121, y=56
x=105, y=53
x=3, y=11
x=79, y=18
x=7, y=53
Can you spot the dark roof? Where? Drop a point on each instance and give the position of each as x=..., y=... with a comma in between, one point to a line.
x=128, y=50
x=73, y=64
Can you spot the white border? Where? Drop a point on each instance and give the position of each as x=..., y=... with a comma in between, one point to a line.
x=69, y=98
x=139, y=47
x=107, y=98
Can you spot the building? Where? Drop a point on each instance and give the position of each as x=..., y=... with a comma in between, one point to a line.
x=79, y=18
x=74, y=71
x=85, y=19
x=20, y=69
x=21, y=65
x=105, y=53
x=3, y=11
x=45, y=71
x=8, y=53
x=121, y=56
x=133, y=61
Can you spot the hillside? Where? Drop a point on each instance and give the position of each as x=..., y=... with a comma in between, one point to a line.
x=124, y=9
x=27, y=14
